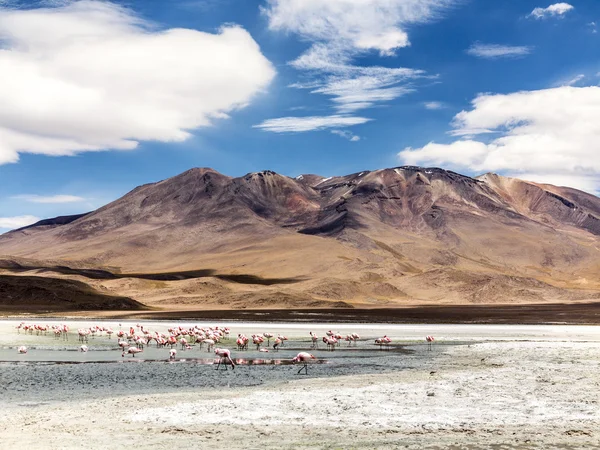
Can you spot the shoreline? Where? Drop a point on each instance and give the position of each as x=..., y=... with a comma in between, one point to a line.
x=585, y=313
x=456, y=397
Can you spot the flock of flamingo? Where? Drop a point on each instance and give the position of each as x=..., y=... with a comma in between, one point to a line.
x=133, y=341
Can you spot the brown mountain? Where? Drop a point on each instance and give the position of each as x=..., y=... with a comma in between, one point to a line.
x=376, y=238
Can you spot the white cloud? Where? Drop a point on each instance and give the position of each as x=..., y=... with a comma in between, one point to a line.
x=495, y=51
x=9, y=223
x=90, y=75
x=50, y=198
x=434, y=105
x=549, y=134
x=310, y=123
x=341, y=30
x=359, y=24
x=557, y=9
x=346, y=135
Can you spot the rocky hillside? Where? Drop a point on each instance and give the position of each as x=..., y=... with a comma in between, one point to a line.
x=375, y=238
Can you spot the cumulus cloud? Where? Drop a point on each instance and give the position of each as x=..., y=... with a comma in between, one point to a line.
x=309, y=123
x=50, y=198
x=10, y=223
x=91, y=75
x=341, y=30
x=359, y=24
x=495, y=51
x=545, y=135
x=555, y=10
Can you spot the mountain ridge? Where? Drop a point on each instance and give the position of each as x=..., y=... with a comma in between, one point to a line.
x=379, y=237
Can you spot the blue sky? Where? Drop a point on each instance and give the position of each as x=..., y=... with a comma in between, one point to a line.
x=97, y=98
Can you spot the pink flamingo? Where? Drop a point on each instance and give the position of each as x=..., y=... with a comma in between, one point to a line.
x=384, y=341
x=242, y=342
x=277, y=343
x=282, y=339
x=330, y=341
x=429, y=340
x=224, y=357
x=269, y=336
x=172, y=353
x=303, y=357
x=132, y=351
x=315, y=339
x=257, y=340
x=22, y=349
x=209, y=342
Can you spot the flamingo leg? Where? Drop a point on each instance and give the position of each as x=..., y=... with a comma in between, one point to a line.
x=305, y=367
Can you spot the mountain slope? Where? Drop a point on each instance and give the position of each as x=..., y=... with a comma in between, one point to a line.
x=379, y=238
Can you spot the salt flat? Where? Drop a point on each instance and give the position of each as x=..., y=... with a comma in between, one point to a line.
x=481, y=386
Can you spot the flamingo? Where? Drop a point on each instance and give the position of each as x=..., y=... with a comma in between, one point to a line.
x=209, y=342
x=315, y=339
x=132, y=351
x=22, y=349
x=383, y=341
x=242, y=342
x=303, y=357
x=283, y=339
x=172, y=353
x=83, y=348
x=269, y=336
x=257, y=340
x=277, y=343
x=224, y=357
x=429, y=340
x=330, y=341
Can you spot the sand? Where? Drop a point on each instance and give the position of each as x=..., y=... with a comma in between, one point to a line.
x=480, y=387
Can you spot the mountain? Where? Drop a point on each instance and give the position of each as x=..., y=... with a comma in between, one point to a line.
x=379, y=238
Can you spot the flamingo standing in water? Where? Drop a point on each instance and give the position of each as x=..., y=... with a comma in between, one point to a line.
x=257, y=340
x=330, y=341
x=303, y=357
x=282, y=339
x=22, y=349
x=385, y=340
x=269, y=336
x=429, y=340
x=224, y=358
x=278, y=342
x=242, y=342
x=132, y=351
x=172, y=353
x=315, y=339
x=209, y=342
